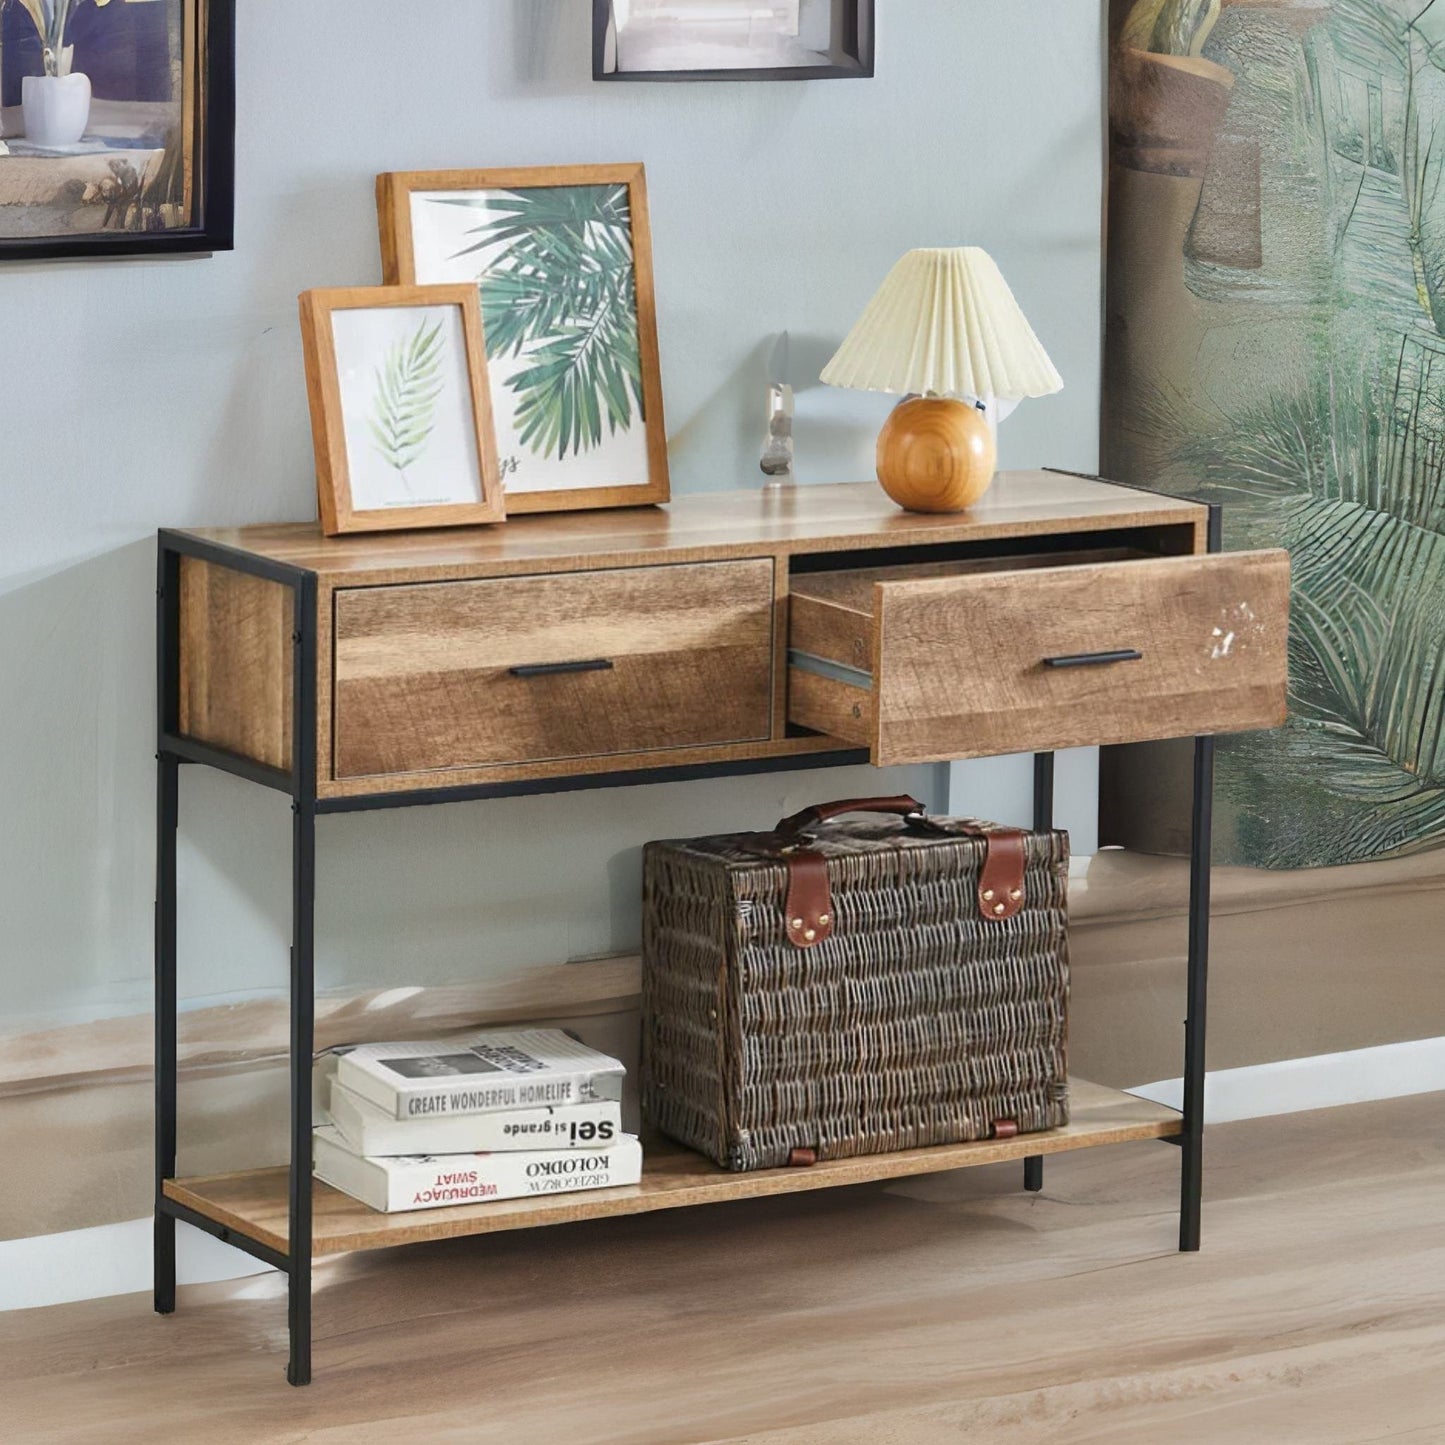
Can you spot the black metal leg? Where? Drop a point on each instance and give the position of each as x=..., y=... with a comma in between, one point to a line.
x=303, y=994
x=1201, y=849
x=302, y=1044
x=1043, y=792
x=300, y=782
x=167, y=785
x=1192, y=1134
x=167, y=813
x=1043, y=819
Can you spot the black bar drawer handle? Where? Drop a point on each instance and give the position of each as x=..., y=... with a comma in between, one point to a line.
x=553, y=669
x=1094, y=659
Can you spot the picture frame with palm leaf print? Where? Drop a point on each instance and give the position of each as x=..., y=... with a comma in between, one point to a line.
x=396, y=378
x=562, y=258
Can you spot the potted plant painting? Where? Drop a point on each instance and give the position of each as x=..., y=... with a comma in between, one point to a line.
x=117, y=126
x=55, y=106
x=1167, y=102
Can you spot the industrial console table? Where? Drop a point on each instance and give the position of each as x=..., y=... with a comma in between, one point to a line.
x=725, y=633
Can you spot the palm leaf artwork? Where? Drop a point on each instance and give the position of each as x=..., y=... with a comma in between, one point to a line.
x=1348, y=475
x=1332, y=444
x=561, y=295
x=409, y=383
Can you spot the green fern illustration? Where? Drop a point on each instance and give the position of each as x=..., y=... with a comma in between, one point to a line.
x=408, y=386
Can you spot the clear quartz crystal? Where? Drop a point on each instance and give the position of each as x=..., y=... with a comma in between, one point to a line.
x=777, y=458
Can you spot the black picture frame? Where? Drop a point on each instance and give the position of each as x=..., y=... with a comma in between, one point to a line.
x=857, y=47
x=215, y=117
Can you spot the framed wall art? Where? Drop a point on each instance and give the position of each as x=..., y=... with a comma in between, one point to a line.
x=562, y=258
x=116, y=127
x=400, y=412
x=732, y=39
x=1276, y=173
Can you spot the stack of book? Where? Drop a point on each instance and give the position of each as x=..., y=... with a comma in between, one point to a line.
x=496, y=1115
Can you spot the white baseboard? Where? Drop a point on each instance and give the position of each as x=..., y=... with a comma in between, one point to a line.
x=1388, y=1071
x=115, y=1259
x=52, y=1269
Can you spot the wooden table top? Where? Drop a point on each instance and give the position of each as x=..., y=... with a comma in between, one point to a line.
x=709, y=525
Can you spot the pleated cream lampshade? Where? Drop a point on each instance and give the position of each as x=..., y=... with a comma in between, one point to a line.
x=944, y=323
x=943, y=326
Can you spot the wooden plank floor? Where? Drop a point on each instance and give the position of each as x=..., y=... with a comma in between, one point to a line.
x=943, y=1308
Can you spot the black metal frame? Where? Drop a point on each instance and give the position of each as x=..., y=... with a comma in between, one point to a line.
x=216, y=202
x=857, y=47
x=1201, y=851
x=1043, y=820
x=300, y=783
x=1201, y=847
x=1190, y=1138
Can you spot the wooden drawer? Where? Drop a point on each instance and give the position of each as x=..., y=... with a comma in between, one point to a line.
x=568, y=665
x=962, y=660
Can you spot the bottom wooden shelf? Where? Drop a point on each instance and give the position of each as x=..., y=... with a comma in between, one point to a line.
x=254, y=1202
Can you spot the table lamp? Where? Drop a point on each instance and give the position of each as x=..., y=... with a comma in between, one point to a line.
x=945, y=332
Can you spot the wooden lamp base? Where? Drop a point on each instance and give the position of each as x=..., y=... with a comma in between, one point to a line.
x=936, y=454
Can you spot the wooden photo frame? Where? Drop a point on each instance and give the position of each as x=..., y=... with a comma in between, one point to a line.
x=560, y=255
x=400, y=408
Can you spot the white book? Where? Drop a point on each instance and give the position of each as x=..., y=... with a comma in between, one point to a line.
x=370, y=1130
x=436, y=1181
x=478, y=1073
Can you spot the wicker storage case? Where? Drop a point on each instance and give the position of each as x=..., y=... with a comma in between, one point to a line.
x=843, y=986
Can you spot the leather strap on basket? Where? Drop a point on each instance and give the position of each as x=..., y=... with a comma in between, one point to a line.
x=810, y=899
x=1001, y=880
x=810, y=917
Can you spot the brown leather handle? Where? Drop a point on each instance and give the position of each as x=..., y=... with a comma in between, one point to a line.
x=810, y=918
x=902, y=805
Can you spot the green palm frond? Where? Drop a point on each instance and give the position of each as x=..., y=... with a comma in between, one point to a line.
x=561, y=293
x=1341, y=460
x=409, y=383
x=574, y=380
x=1342, y=472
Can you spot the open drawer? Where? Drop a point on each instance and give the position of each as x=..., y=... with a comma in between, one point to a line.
x=970, y=659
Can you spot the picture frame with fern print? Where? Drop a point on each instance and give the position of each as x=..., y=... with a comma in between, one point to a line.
x=562, y=259
x=401, y=424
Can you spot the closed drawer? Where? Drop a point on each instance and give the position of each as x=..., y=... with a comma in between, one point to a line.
x=525, y=669
x=969, y=663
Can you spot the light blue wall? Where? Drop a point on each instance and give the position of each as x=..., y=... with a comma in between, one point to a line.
x=140, y=394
